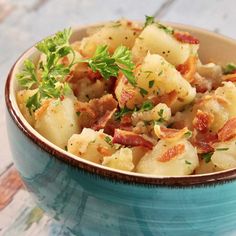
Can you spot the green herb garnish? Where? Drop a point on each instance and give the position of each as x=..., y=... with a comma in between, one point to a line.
x=149, y=20
x=147, y=106
x=108, y=140
x=167, y=29
x=222, y=149
x=207, y=156
x=188, y=134
x=109, y=66
x=52, y=83
x=161, y=113
x=143, y=91
x=229, y=68
x=151, y=83
x=78, y=113
x=122, y=112
x=188, y=162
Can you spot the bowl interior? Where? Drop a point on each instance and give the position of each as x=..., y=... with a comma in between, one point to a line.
x=213, y=48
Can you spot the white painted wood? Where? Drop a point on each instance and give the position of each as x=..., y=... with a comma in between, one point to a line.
x=214, y=15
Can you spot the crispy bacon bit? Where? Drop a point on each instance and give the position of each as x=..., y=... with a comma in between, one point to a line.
x=188, y=69
x=93, y=75
x=129, y=138
x=230, y=77
x=102, y=121
x=228, y=131
x=169, y=134
x=125, y=96
x=168, y=98
x=171, y=153
x=204, y=142
x=185, y=38
x=126, y=120
x=95, y=109
x=202, y=121
x=39, y=112
x=104, y=151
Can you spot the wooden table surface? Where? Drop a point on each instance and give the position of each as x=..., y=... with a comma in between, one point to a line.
x=24, y=22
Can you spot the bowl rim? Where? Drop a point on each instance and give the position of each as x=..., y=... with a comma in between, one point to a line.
x=97, y=169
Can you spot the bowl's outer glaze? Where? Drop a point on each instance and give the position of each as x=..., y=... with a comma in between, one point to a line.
x=92, y=205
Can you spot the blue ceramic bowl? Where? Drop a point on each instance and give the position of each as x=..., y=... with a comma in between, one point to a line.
x=94, y=200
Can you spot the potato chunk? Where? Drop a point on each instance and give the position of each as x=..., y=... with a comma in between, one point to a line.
x=91, y=145
x=121, y=160
x=169, y=159
x=58, y=121
x=22, y=96
x=156, y=41
x=113, y=35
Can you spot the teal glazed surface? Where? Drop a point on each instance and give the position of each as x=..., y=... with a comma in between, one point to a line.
x=92, y=205
x=76, y=194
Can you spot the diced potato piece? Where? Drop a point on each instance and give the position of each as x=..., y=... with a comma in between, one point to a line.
x=22, y=97
x=121, y=160
x=160, y=111
x=165, y=79
x=113, y=35
x=58, y=121
x=157, y=41
x=205, y=168
x=91, y=145
x=228, y=91
x=224, y=156
x=182, y=160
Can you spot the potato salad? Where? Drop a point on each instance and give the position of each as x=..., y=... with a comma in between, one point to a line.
x=132, y=97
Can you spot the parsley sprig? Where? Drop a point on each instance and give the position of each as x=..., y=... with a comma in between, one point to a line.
x=109, y=66
x=52, y=82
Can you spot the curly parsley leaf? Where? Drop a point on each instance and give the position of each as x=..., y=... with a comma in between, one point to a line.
x=27, y=78
x=229, y=68
x=109, y=66
x=52, y=82
x=207, y=156
x=149, y=20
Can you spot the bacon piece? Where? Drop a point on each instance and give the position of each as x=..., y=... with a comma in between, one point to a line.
x=228, y=131
x=188, y=69
x=230, y=77
x=126, y=120
x=129, y=138
x=125, y=96
x=202, y=84
x=102, y=121
x=171, y=153
x=202, y=121
x=169, y=134
x=168, y=98
x=185, y=38
x=95, y=109
x=204, y=142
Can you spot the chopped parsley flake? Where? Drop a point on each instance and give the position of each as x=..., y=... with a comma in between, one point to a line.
x=122, y=112
x=161, y=119
x=143, y=92
x=207, y=156
x=151, y=83
x=167, y=29
x=149, y=20
x=188, y=162
x=222, y=149
x=147, y=106
x=160, y=73
x=229, y=68
x=108, y=140
x=78, y=113
x=188, y=134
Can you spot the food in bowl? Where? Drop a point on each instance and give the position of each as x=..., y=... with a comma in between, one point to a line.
x=132, y=97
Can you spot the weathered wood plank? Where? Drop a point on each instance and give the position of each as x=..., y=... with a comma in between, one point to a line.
x=10, y=183
x=218, y=16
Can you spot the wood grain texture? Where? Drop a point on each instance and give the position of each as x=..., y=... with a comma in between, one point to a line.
x=24, y=22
